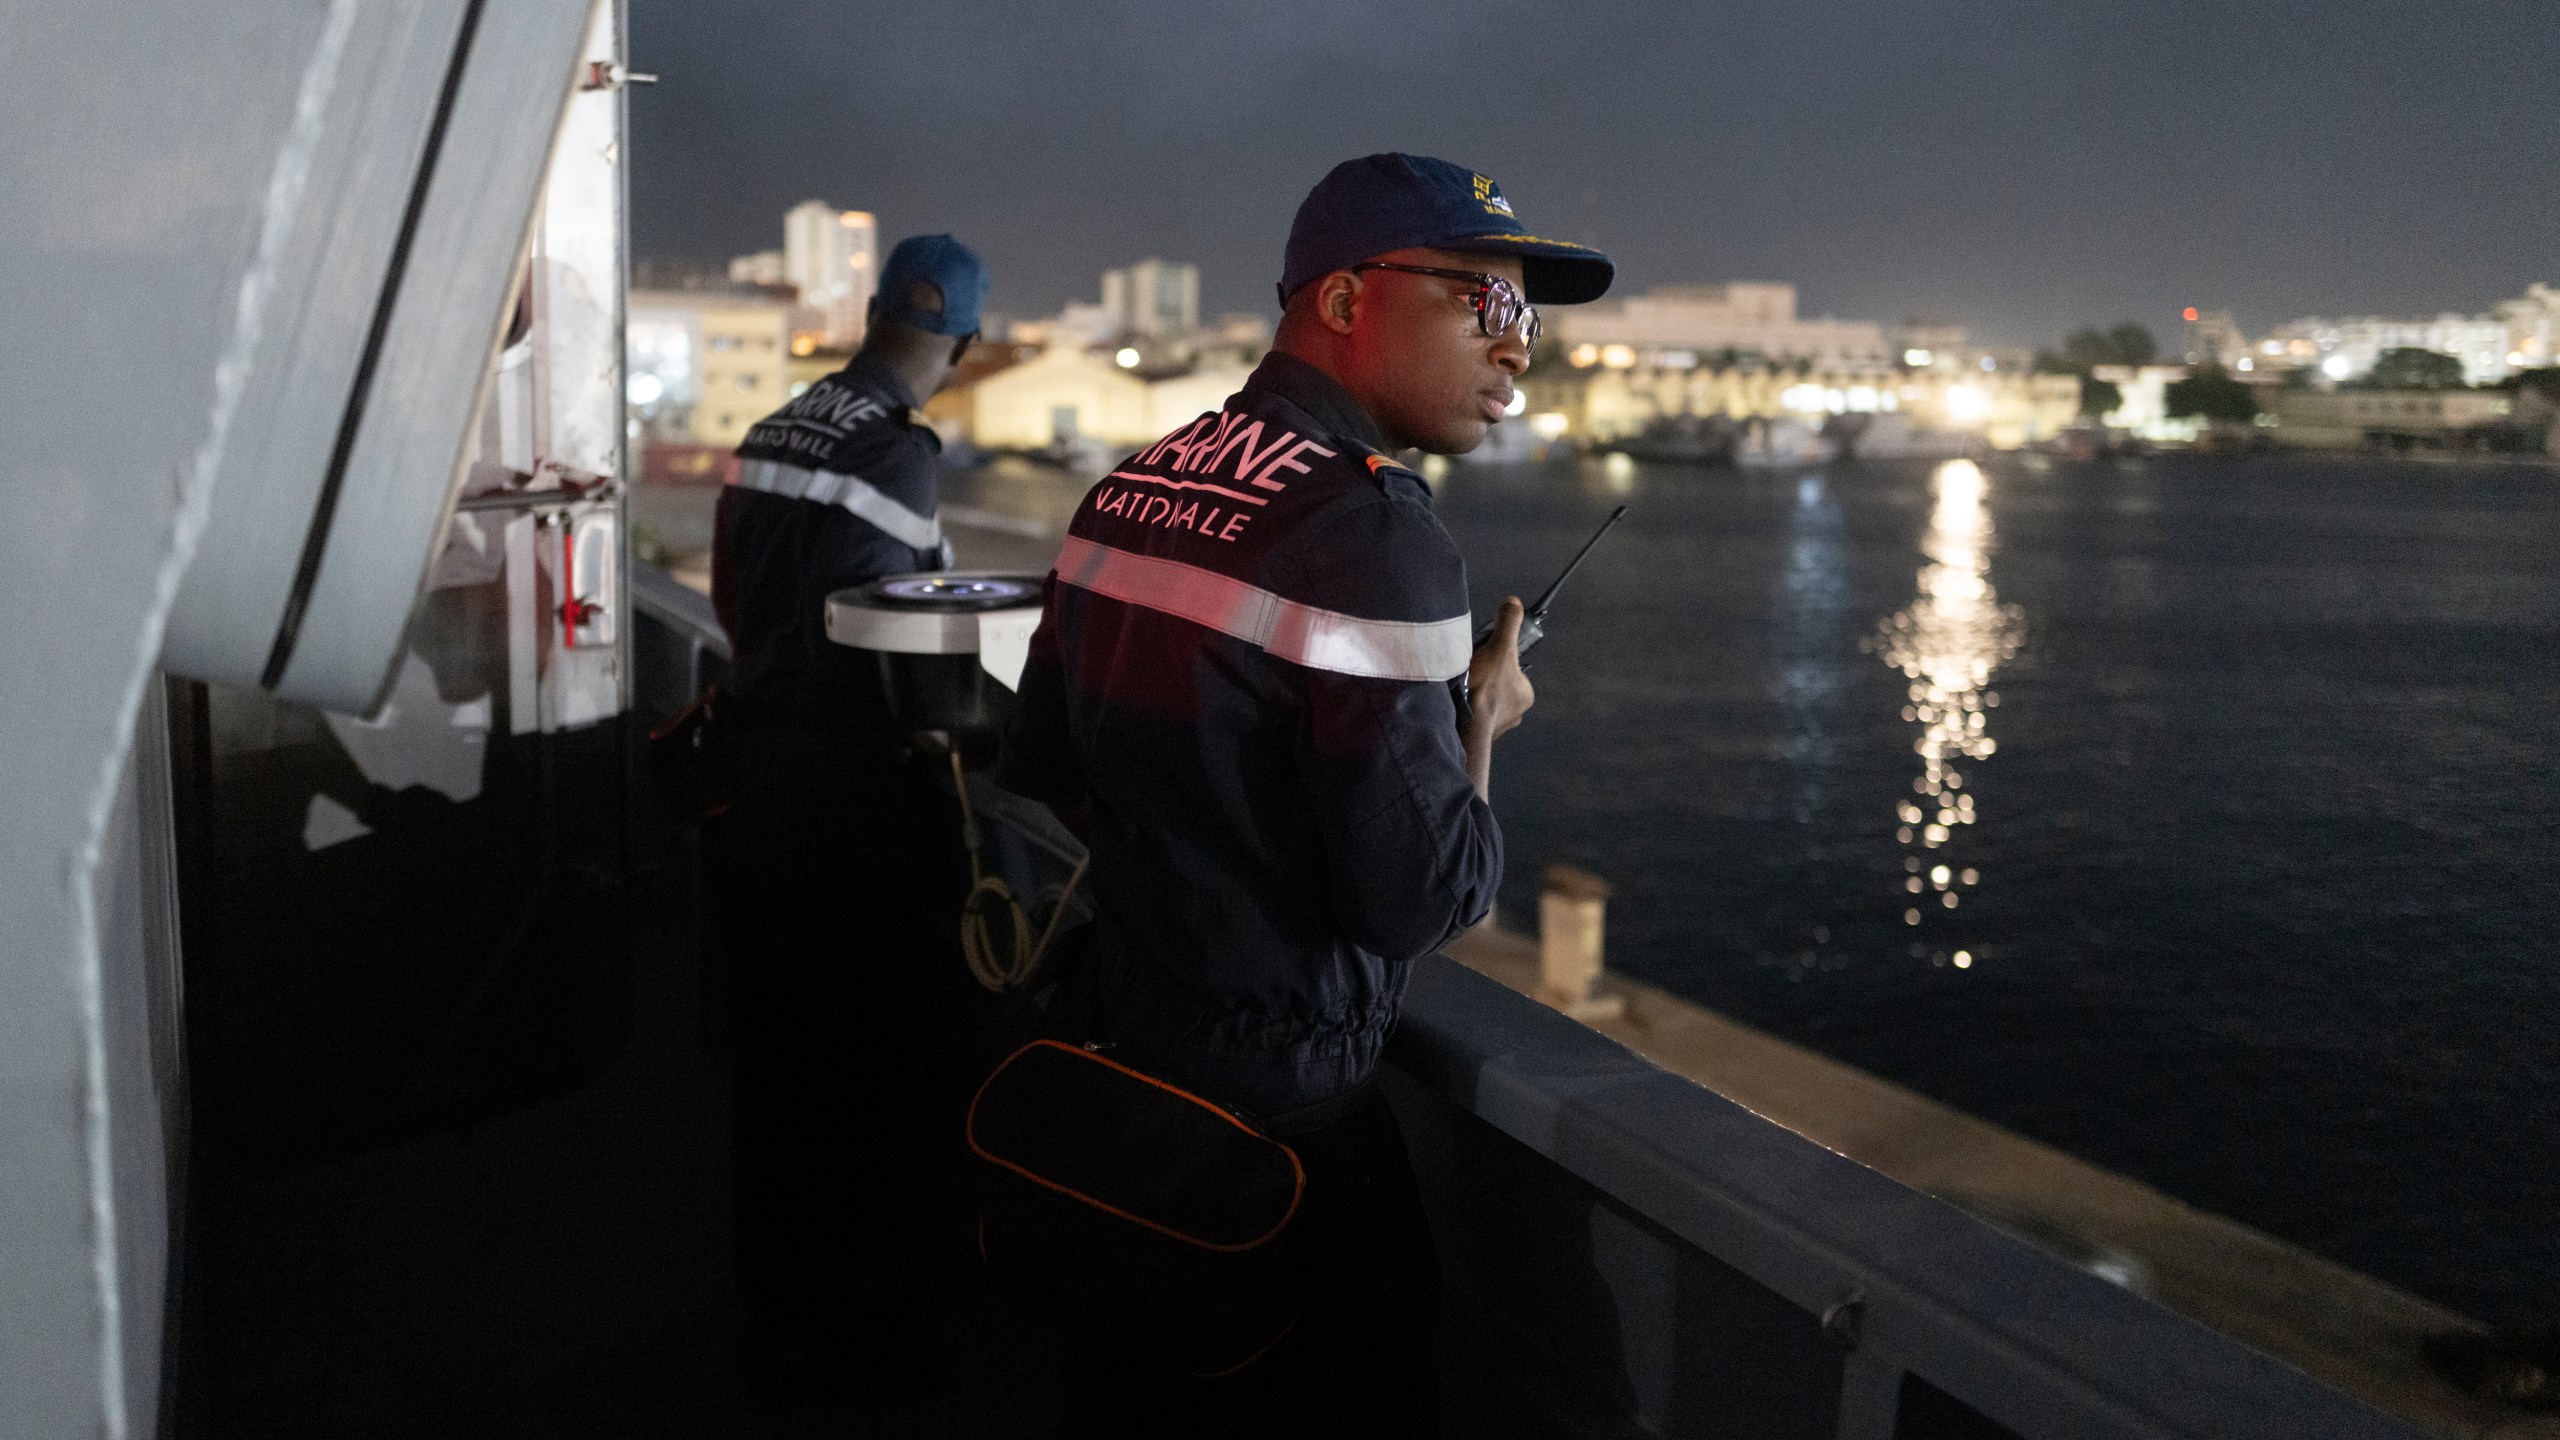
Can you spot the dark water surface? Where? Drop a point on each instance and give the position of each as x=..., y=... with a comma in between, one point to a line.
x=2251, y=765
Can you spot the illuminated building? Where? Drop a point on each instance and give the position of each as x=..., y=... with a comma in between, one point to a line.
x=762, y=268
x=1064, y=394
x=2214, y=338
x=1746, y=317
x=704, y=366
x=1928, y=344
x=1153, y=297
x=1069, y=393
x=2533, y=327
x=2144, y=410
x=1740, y=352
x=2350, y=418
x=1596, y=398
x=832, y=256
x=2345, y=349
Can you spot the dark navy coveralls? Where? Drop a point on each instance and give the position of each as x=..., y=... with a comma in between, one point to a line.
x=1242, y=677
x=834, y=490
x=838, y=876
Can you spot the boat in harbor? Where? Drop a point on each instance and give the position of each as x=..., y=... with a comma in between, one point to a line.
x=1767, y=443
x=1891, y=435
x=1683, y=440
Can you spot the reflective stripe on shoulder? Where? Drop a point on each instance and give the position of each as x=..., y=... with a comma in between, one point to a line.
x=1302, y=634
x=865, y=500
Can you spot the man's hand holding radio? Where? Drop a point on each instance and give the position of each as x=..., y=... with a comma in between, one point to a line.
x=1498, y=694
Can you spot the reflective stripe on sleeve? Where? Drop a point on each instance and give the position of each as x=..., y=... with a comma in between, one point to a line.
x=865, y=500
x=1302, y=634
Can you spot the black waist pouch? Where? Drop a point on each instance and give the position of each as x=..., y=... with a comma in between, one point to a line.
x=1134, y=1213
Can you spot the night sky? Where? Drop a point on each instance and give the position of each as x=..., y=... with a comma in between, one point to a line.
x=2021, y=167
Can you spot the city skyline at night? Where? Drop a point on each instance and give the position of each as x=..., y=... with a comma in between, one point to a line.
x=2019, y=170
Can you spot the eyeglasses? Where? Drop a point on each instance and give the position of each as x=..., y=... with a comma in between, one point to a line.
x=1499, y=304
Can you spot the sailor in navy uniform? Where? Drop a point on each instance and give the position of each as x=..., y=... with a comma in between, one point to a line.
x=838, y=872
x=1241, y=690
x=837, y=489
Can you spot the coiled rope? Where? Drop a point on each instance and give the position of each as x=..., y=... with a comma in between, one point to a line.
x=991, y=908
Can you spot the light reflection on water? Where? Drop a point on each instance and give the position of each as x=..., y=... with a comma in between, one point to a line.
x=1947, y=643
x=2264, y=906
x=1809, y=674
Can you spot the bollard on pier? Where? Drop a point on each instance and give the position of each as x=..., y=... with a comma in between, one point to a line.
x=1571, y=909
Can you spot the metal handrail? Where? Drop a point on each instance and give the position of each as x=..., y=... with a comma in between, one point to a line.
x=1902, y=1288
x=1903, y=1283
x=679, y=607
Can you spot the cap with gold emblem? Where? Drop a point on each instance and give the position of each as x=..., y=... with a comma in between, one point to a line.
x=1364, y=208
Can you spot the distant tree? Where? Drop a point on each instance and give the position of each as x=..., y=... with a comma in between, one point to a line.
x=2133, y=345
x=2545, y=378
x=2100, y=397
x=2085, y=350
x=2412, y=369
x=2211, y=394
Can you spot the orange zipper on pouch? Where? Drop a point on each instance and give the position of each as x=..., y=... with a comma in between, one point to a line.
x=1125, y=1144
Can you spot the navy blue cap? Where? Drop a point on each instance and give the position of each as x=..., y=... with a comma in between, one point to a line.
x=1364, y=208
x=947, y=265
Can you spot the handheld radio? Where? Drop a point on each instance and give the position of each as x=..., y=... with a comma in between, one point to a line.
x=1533, y=624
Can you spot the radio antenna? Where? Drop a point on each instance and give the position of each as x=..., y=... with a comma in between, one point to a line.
x=1539, y=610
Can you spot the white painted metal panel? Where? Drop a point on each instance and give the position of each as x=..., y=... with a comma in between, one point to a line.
x=576, y=306
x=415, y=427
x=329, y=285
x=392, y=292
x=153, y=156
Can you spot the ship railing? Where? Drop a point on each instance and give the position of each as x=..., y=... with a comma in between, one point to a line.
x=678, y=646
x=1627, y=1253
